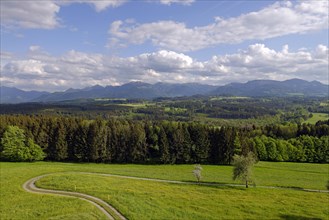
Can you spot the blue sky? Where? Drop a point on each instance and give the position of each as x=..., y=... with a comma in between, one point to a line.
x=54, y=45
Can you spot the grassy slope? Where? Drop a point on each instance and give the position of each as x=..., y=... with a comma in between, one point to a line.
x=22, y=205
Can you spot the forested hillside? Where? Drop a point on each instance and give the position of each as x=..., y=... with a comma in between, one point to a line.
x=128, y=141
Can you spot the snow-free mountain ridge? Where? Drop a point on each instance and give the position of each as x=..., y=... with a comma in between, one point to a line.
x=140, y=90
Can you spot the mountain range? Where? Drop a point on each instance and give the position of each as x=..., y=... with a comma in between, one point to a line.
x=14, y=95
x=140, y=90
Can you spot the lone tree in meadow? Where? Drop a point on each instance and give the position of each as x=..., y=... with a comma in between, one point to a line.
x=15, y=146
x=243, y=167
x=197, y=172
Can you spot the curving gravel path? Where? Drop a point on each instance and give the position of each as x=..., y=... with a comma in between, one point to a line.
x=100, y=204
x=108, y=210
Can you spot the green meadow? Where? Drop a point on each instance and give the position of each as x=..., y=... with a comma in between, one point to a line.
x=140, y=199
x=317, y=117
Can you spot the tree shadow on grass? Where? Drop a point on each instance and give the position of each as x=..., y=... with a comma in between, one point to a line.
x=291, y=187
x=297, y=217
x=217, y=185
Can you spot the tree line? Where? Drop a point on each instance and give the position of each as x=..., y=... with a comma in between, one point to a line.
x=168, y=142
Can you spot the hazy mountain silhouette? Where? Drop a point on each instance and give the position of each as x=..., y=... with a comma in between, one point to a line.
x=292, y=87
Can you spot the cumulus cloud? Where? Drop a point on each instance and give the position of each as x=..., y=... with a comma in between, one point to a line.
x=34, y=14
x=75, y=69
x=44, y=14
x=278, y=19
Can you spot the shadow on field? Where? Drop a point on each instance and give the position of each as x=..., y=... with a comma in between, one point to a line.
x=219, y=185
x=295, y=217
x=291, y=187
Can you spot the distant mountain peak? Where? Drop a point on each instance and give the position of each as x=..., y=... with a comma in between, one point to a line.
x=273, y=88
x=141, y=90
x=14, y=95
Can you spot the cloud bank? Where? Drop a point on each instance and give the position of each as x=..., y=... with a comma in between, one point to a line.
x=44, y=14
x=75, y=69
x=279, y=19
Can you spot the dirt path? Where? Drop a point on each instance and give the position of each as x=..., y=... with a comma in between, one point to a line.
x=201, y=183
x=109, y=210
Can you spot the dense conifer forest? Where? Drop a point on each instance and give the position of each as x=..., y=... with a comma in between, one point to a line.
x=169, y=142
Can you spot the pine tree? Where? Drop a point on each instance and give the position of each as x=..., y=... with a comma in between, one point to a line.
x=80, y=148
x=59, y=138
x=163, y=146
x=201, y=143
x=138, y=145
x=97, y=141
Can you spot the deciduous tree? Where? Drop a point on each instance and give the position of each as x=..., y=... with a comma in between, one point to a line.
x=243, y=167
x=16, y=147
x=197, y=172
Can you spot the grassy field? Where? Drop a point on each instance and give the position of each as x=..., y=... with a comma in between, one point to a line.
x=317, y=117
x=139, y=199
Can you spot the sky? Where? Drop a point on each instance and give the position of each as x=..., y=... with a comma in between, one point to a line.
x=54, y=45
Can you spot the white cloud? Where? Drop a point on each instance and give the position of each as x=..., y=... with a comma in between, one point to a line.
x=258, y=61
x=76, y=69
x=4, y=55
x=34, y=48
x=99, y=5
x=43, y=14
x=183, y=2
x=31, y=14
x=321, y=52
x=102, y=5
x=166, y=60
x=37, y=14
x=24, y=68
x=279, y=19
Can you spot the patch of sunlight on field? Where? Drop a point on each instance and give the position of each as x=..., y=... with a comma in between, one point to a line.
x=317, y=117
